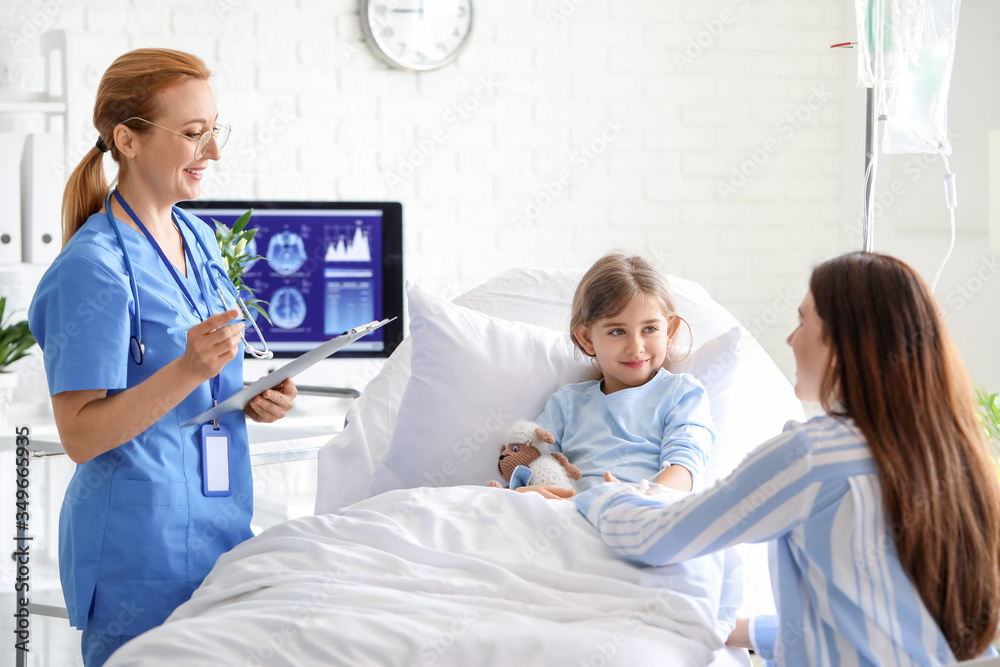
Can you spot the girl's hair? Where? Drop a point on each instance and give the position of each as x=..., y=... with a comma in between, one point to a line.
x=611, y=283
x=130, y=87
x=900, y=378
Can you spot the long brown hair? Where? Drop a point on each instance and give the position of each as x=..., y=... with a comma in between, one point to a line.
x=608, y=286
x=129, y=88
x=899, y=377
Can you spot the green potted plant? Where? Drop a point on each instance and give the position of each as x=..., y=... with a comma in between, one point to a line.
x=235, y=258
x=989, y=415
x=15, y=341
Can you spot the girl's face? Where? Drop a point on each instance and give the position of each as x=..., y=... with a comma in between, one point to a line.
x=812, y=351
x=630, y=346
x=165, y=161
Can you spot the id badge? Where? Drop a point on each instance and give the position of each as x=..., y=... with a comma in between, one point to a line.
x=215, y=478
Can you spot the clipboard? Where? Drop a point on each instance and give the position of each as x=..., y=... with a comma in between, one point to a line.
x=240, y=399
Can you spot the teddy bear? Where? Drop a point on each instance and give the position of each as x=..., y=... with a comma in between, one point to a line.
x=525, y=456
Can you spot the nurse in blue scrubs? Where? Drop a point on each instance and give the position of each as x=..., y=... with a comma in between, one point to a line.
x=140, y=527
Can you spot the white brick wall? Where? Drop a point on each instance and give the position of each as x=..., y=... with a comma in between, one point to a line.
x=697, y=87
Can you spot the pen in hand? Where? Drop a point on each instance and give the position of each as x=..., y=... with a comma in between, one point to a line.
x=173, y=330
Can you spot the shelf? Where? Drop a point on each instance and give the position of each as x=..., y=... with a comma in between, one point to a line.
x=32, y=107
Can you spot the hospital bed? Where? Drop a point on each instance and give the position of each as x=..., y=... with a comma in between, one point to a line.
x=410, y=560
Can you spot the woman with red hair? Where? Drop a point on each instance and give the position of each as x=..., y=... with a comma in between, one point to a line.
x=152, y=504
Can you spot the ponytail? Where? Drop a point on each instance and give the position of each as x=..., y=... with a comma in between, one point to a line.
x=84, y=194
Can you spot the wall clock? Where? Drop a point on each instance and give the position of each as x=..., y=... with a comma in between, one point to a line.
x=417, y=35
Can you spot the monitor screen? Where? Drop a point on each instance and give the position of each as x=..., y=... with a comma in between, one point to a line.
x=326, y=267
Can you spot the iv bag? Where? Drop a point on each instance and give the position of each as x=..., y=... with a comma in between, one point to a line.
x=906, y=51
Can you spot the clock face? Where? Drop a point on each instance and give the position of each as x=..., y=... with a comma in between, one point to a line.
x=417, y=34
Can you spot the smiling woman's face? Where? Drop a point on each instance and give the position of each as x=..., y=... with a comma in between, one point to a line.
x=165, y=161
x=812, y=351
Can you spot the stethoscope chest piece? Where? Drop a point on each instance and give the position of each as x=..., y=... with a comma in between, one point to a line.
x=137, y=349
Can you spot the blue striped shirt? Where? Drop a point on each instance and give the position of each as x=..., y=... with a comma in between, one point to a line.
x=813, y=492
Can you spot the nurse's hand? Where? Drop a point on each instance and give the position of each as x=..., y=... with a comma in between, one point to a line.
x=272, y=404
x=210, y=345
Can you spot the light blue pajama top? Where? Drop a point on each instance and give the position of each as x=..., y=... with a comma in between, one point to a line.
x=814, y=493
x=633, y=432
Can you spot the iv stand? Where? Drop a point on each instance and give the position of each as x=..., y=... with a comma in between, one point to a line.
x=868, y=227
x=870, y=135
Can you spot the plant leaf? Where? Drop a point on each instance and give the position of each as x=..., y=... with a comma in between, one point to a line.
x=242, y=221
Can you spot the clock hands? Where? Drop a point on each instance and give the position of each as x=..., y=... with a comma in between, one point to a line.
x=418, y=10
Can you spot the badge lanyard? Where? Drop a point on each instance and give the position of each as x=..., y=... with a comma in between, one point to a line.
x=215, y=437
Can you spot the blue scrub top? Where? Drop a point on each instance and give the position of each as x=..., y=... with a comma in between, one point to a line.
x=136, y=533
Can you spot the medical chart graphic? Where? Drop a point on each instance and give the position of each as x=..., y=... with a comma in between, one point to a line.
x=349, y=300
x=351, y=245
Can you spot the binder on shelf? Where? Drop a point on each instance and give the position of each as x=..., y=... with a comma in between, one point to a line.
x=41, y=197
x=10, y=198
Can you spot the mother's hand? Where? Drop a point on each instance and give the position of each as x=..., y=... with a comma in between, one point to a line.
x=550, y=492
x=272, y=404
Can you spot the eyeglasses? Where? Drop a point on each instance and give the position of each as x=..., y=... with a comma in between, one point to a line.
x=220, y=132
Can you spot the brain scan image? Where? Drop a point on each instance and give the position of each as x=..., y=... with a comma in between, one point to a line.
x=286, y=252
x=250, y=251
x=287, y=308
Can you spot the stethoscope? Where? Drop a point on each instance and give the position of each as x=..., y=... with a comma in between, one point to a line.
x=215, y=271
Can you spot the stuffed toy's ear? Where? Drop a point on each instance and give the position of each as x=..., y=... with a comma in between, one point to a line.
x=544, y=436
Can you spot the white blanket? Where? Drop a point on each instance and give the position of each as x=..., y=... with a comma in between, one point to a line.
x=462, y=576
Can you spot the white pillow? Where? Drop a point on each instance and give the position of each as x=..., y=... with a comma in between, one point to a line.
x=472, y=377
x=345, y=465
x=543, y=297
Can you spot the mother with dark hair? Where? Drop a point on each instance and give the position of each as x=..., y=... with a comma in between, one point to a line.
x=883, y=514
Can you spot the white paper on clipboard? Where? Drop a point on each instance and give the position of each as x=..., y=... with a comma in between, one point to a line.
x=239, y=400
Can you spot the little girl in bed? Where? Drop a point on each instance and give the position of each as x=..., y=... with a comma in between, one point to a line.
x=639, y=421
